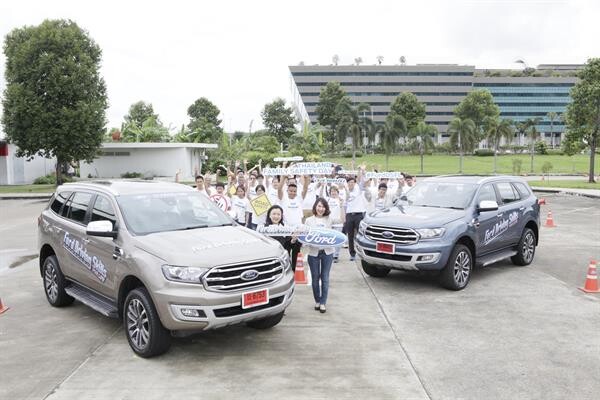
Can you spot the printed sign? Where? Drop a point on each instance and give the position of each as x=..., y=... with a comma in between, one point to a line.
x=336, y=181
x=500, y=227
x=221, y=201
x=232, y=190
x=321, y=237
x=92, y=263
x=347, y=172
x=388, y=175
x=288, y=159
x=308, y=168
x=260, y=204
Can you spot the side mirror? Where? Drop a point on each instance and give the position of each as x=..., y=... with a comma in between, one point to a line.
x=101, y=228
x=488, y=205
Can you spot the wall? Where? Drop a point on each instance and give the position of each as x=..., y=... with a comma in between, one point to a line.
x=18, y=171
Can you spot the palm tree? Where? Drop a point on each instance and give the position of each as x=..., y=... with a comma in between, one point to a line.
x=422, y=134
x=358, y=60
x=533, y=134
x=402, y=60
x=352, y=123
x=552, y=116
x=394, y=128
x=497, y=130
x=335, y=59
x=379, y=59
x=521, y=129
x=463, y=135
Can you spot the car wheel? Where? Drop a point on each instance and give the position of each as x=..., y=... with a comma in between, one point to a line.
x=457, y=273
x=372, y=270
x=525, y=249
x=54, y=283
x=266, y=323
x=145, y=333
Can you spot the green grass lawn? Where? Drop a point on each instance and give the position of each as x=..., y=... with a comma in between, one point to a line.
x=571, y=184
x=27, y=189
x=446, y=164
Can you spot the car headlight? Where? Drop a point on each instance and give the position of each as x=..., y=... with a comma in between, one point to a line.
x=183, y=274
x=362, y=227
x=430, y=233
x=284, y=259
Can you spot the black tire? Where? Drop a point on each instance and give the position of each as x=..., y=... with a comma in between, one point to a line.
x=375, y=272
x=145, y=333
x=266, y=323
x=457, y=273
x=525, y=249
x=55, y=283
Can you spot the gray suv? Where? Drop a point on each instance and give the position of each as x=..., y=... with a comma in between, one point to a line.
x=450, y=224
x=162, y=257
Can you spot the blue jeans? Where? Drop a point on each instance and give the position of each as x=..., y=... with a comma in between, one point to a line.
x=319, y=271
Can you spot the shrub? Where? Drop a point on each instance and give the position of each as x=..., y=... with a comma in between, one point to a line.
x=443, y=148
x=547, y=167
x=517, y=163
x=348, y=154
x=128, y=174
x=484, y=152
x=45, y=180
x=540, y=147
x=556, y=152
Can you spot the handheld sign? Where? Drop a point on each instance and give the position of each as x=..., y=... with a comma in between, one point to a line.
x=282, y=159
x=221, y=201
x=321, y=237
x=388, y=175
x=260, y=204
x=232, y=190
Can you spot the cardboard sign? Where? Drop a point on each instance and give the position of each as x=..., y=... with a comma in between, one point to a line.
x=221, y=201
x=232, y=190
x=260, y=204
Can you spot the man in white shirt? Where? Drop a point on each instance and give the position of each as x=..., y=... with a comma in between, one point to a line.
x=355, y=211
x=291, y=203
x=200, y=186
x=383, y=198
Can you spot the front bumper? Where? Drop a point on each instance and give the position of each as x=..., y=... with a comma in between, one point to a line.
x=422, y=256
x=218, y=310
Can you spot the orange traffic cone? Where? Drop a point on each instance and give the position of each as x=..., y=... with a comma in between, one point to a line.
x=591, y=282
x=299, y=275
x=3, y=308
x=550, y=221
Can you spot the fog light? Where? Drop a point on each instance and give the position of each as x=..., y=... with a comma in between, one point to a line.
x=192, y=313
x=427, y=257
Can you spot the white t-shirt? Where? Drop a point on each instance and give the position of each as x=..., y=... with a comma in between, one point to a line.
x=335, y=208
x=356, y=202
x=311, y=196
x=239, y=208
x=315, y=222
x=272, y=195
x=292, y=210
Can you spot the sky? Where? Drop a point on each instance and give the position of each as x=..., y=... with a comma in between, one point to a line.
x=237, y=53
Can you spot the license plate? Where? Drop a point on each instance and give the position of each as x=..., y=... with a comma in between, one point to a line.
x=388, y=248
x=254, y=299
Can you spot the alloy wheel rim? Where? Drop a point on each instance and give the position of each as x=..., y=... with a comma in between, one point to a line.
x=138, y=326
x=528, y=247
x=51, y=282
x=462, y=268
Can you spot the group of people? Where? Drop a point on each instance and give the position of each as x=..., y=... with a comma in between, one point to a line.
x=315, y=201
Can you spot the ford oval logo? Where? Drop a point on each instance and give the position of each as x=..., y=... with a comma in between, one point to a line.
x=387, y=234
x=249, y=275
x=321, y=237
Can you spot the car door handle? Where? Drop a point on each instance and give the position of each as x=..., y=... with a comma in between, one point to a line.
x=117, y=253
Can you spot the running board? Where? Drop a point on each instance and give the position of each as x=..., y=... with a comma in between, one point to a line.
x=93, y=300
x=495, y=257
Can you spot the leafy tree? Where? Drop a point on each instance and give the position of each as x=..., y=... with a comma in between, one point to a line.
x=410, y=108
x=478, y=106
x=140, y=112
x=583, y=113
x=329, y=98
x=497, y=130
x=261, y=140
x=203, y=111
x=422, y=137
x=151, y=130
x=533, y=135
x=55, y=99
x=279, y=120
x=552, y=116
x=463, y=135
x=306, y=143
x=394, y=128
x=352, y=122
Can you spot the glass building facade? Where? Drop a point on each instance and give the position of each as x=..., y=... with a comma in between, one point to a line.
x=440, y=88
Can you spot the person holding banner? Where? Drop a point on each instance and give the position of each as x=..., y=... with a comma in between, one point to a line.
x=256, y=217
x=320, y=259
x=291, y=204
x=337, y=214
x=274, y=217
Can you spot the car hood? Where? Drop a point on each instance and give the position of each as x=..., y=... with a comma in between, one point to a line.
x=207, y=247
x=414, y=217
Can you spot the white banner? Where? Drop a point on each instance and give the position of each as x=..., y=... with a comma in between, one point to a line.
x=288, y=159
x=337, y=181
x=347, y=172
x=379, y=175
x=300, y=169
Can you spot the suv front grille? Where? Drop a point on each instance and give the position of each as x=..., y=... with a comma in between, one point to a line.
x=396, y=235
x=228, y=278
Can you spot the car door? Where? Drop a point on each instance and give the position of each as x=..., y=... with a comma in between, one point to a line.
x=57, y=229
x=102, y=276
x=485, y=221
x=509, y=214
x=74, y=242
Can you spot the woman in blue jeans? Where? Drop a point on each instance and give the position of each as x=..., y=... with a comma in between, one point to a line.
x=320, y=259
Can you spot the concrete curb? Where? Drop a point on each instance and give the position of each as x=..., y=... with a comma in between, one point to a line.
x=572, y=192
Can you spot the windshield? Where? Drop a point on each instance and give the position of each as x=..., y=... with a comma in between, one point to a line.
x=163, y=212
x=441, y=194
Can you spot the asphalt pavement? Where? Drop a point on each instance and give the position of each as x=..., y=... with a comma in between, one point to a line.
x=514, y=333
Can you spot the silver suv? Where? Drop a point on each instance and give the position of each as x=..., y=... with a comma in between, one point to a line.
x=162, y=257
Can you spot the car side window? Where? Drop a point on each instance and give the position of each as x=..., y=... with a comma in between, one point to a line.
x=486, y=193
x=78, y=206
x=507, y=194
x=103, y=210
x=59, y=201
x=522, y=189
